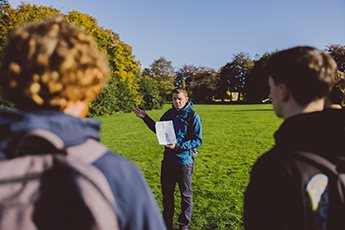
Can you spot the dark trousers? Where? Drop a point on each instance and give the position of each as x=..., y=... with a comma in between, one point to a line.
x=172, y=173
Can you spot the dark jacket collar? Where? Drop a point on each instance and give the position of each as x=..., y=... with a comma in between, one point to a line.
x=319, y=132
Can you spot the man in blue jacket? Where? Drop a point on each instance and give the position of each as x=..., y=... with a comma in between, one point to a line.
x=177, y=165
x=52, y=71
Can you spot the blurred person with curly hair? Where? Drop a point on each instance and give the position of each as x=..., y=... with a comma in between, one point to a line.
x=52, y=70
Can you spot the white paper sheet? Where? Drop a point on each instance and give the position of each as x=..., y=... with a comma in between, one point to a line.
x=165, y=132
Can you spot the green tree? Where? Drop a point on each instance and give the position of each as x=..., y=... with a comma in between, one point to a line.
x=203, y=85
x=112, y=101
x=233, y=75
x=184, y=75
x=122, y=91
x=256, y=87
x=163, y=72
x=149, y=90
x=162, y=68
x=12, y=18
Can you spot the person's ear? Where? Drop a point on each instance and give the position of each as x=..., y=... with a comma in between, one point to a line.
x=284, y=92
x=77, y=108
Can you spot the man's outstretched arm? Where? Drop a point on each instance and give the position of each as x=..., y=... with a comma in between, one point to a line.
x=146, y=118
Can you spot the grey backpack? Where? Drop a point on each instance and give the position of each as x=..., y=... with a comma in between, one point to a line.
x=55, y=189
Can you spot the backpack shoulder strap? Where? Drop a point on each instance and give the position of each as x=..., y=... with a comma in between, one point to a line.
x=94, y=182
x=190, y=117
x=26, y=144
x=51, y=137
x=86, y=152
x=318, y=161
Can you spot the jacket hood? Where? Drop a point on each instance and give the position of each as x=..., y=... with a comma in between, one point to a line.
x=71, y=130
x=320, y=132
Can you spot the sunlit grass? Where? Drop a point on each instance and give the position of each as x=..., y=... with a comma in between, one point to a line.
x=234, y=136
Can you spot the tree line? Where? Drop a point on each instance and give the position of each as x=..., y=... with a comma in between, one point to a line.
x=242, y=79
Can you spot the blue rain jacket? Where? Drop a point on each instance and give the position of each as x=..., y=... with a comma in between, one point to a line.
x=188, y=132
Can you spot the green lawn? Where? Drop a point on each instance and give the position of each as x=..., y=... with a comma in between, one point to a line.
x=234, y=136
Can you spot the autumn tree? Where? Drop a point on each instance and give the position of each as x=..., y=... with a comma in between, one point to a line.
x=5, y=10
x=122, y=91
x=12, y=18
x=337, y=51
x=163, y=72
x=201, y=82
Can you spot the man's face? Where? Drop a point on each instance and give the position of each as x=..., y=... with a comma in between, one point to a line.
x=275, y=97
x=179, y=100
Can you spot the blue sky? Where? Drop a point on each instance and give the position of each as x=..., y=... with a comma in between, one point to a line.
x=209, y=32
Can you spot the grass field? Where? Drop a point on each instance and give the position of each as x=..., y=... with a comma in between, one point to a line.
x=234, y=136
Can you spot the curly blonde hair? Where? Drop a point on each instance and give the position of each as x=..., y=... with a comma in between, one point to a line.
x=50, y=63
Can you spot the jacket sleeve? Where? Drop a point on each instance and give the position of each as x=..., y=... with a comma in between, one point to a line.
x=195, y=138
x=151, y=124
x=135, y=205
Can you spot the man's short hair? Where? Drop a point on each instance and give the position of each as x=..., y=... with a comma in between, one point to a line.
x=50, y=63
x=307, y=72
x=180, y=90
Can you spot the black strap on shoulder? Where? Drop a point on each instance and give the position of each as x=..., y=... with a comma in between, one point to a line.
x=40, y=141
x=190, y=117
x=35, y=142
x=318, y=161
